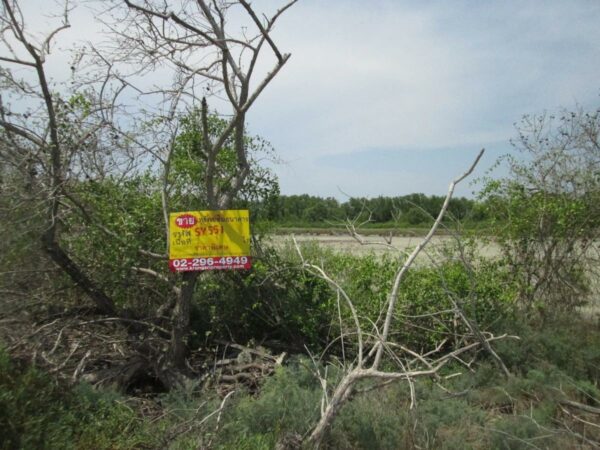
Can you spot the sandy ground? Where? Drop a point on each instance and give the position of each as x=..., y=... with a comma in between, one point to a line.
x=374, y=244
x=378, y=245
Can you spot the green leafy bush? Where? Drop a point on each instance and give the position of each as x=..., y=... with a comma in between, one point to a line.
x=272, y=302
x=130, y=209
x=570, y=344
x=484, y=290
x=38, y=412
x=288, y=403
x=545, y=214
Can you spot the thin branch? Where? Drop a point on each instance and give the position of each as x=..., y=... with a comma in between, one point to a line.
x=262, y=29
x=158, y=276
x=153, y=255
x=408, y=263
x=322, y=274
x=17, y=61
x=24, y=133
x=581, y=406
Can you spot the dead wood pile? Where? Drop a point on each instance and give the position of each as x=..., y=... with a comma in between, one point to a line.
x=103, y=351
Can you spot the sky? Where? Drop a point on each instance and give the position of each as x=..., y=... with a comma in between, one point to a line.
x=398, y=96
x=393, y=97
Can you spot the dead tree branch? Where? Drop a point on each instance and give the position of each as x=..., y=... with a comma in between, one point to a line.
x=368, y=360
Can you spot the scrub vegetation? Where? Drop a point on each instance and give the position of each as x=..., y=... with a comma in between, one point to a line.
x=102, y=347
x=393, y=213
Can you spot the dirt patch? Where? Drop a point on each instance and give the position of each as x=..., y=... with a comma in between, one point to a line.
x=376, y=244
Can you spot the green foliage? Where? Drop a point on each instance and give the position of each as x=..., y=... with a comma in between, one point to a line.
x=188, y=168
x=288, y=403
x=413, y=209
x=377, y=421
x=273, y=301
x=479, y=410
x=21, y=224
x=415, y=216
x=124, y=215
x=518, y=433
x=485, y=418
x=571, y=344
x=132, y=212
x=37, y=412
x=545, y=215
x=544, y=239
x=484, y=291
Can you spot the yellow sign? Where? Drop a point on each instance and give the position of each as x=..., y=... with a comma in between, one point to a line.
x=209, y=240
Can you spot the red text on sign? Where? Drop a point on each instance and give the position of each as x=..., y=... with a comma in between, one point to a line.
x=210, y=263
x=185, y=221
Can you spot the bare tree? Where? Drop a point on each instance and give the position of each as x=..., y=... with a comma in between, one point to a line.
x=44, y=133
x=376, y=346
x=547, y=210
x=57, y=138
x=205, y=56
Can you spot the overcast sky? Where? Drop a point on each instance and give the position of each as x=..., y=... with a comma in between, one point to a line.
x=393, y=97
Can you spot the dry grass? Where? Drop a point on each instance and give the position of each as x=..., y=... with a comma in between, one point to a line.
x=375, y=244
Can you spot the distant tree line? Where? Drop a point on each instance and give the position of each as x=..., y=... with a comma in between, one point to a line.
x=412, y=209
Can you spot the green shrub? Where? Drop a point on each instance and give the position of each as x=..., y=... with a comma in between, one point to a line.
x=277, y=301
x=483, y=293
x=570, y=344
x=371, y=422
x=273, y=301
x=483, y=290
x=545, y=214
x=288, y=403
x=519, y=433
x=37, y=412
x=382, y=419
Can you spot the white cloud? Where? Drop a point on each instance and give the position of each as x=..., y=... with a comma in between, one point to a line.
x=410, y=75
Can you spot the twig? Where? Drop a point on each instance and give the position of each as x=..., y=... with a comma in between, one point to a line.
x=408, y=263
x=219, y=413
x=159, y=276
x=79, y=367
x=581, y=406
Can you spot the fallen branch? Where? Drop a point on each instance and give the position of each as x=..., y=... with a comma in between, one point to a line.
x=581, y=406
x=422, y=364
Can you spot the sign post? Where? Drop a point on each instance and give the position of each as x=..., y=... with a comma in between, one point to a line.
x=209, y=240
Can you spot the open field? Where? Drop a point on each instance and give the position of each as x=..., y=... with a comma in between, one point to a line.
x=374, y=244
x=378, y=245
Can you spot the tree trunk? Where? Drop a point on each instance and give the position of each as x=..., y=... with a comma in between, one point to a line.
x=339, y=397
x=104, y=304
x=181, y=321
